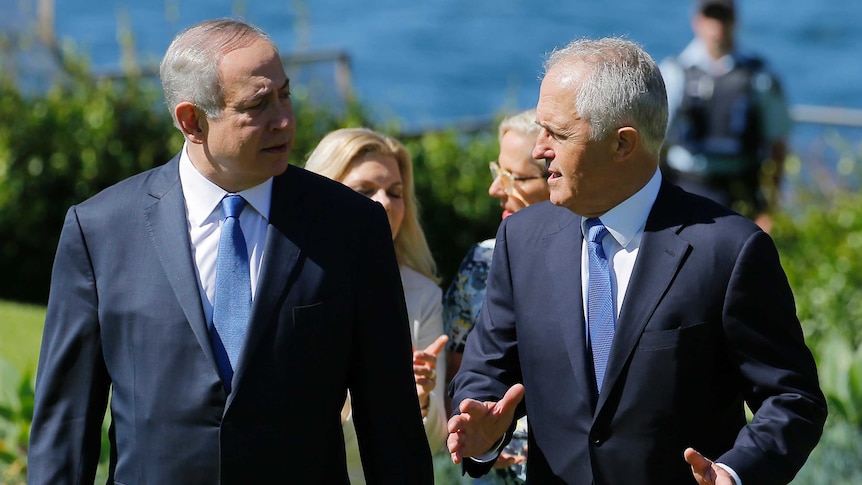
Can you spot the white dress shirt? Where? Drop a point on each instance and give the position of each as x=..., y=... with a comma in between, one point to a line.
x=625, y=223
x=203, y=214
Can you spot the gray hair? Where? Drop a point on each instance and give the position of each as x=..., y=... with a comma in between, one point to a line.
x=189, y=70
x=624, y=88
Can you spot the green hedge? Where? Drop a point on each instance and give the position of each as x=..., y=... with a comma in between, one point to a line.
x=819, y=237
x=57, y=150
x=452, y=180
x=819, y=241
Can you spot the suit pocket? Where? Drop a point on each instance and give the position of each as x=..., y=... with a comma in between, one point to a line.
x=318, y=331
x=668, y=339
x=321, y=318
x=308, y=312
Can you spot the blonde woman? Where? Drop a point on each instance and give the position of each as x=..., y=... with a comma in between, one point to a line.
x=380, y=168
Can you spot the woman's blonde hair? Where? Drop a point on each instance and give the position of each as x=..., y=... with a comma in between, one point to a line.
x=331, y=158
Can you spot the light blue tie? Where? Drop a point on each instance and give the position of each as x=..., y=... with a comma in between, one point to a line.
x=600, y=304
x=232, y=300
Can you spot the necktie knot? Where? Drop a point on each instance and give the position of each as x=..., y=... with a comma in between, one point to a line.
x=232, y=205
x=596, y=231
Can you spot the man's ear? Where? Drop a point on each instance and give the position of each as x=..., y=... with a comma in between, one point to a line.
x=192, y=121
x=627, y=141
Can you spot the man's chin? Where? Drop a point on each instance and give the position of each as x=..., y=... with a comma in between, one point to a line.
x=565, y=202
x=559, y=199
x=278, y=165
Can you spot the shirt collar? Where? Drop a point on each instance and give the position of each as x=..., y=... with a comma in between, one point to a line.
x=628, y=218
x=202, y=196
x=696, y=55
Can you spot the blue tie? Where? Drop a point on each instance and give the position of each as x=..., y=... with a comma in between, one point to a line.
x=232, y=300
x=600, y=304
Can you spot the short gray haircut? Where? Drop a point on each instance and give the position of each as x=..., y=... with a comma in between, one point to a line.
x=189, y=70
x=624, y=88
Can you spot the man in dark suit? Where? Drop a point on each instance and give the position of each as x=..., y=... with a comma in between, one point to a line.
x=136, y=315
x=636, y=347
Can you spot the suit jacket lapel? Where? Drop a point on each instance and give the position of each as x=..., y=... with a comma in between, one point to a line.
x=660, y=257
x=563, y=260
x=285, y=232
x=168, y=229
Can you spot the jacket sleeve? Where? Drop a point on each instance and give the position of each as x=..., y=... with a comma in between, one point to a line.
x=386, y=413
x=779, y=374
x=72, y=383
x=490, y=364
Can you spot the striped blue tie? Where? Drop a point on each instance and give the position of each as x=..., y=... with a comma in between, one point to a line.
x=232, y=300
x=600, y=304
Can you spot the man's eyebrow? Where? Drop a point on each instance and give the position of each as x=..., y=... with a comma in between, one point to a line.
x=263, y=92
x=547, y=125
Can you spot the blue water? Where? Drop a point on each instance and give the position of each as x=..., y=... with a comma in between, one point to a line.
x=438, y=62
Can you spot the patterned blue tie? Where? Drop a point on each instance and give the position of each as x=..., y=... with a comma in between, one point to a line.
x=232, y=300
x=600, y=304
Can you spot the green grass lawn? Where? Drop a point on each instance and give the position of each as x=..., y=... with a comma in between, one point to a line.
x=21, y=334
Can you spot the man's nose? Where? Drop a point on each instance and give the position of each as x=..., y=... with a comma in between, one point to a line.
x=541, y=151
x=284, y=117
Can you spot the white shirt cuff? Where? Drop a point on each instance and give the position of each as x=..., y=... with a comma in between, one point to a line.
x=732, y=473
x=491, y=455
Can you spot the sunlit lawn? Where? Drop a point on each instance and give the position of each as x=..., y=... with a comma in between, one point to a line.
x=21, y=334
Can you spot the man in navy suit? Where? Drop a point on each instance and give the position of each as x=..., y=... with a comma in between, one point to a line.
x=650, y=388
x=130, y=315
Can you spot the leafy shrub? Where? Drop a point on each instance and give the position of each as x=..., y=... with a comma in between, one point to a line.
x=840, y=369
x=820, y=246
x=835, y=461
x=58, y=149
x=16, y=414
x=819, y=242
x=452, y=179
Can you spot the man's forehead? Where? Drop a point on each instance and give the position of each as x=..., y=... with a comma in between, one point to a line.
x=252, y=68
x=556, y=95
x=567, y=73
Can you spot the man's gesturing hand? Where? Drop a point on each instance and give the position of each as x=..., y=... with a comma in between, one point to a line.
x=481, y=424
x=705, y=471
